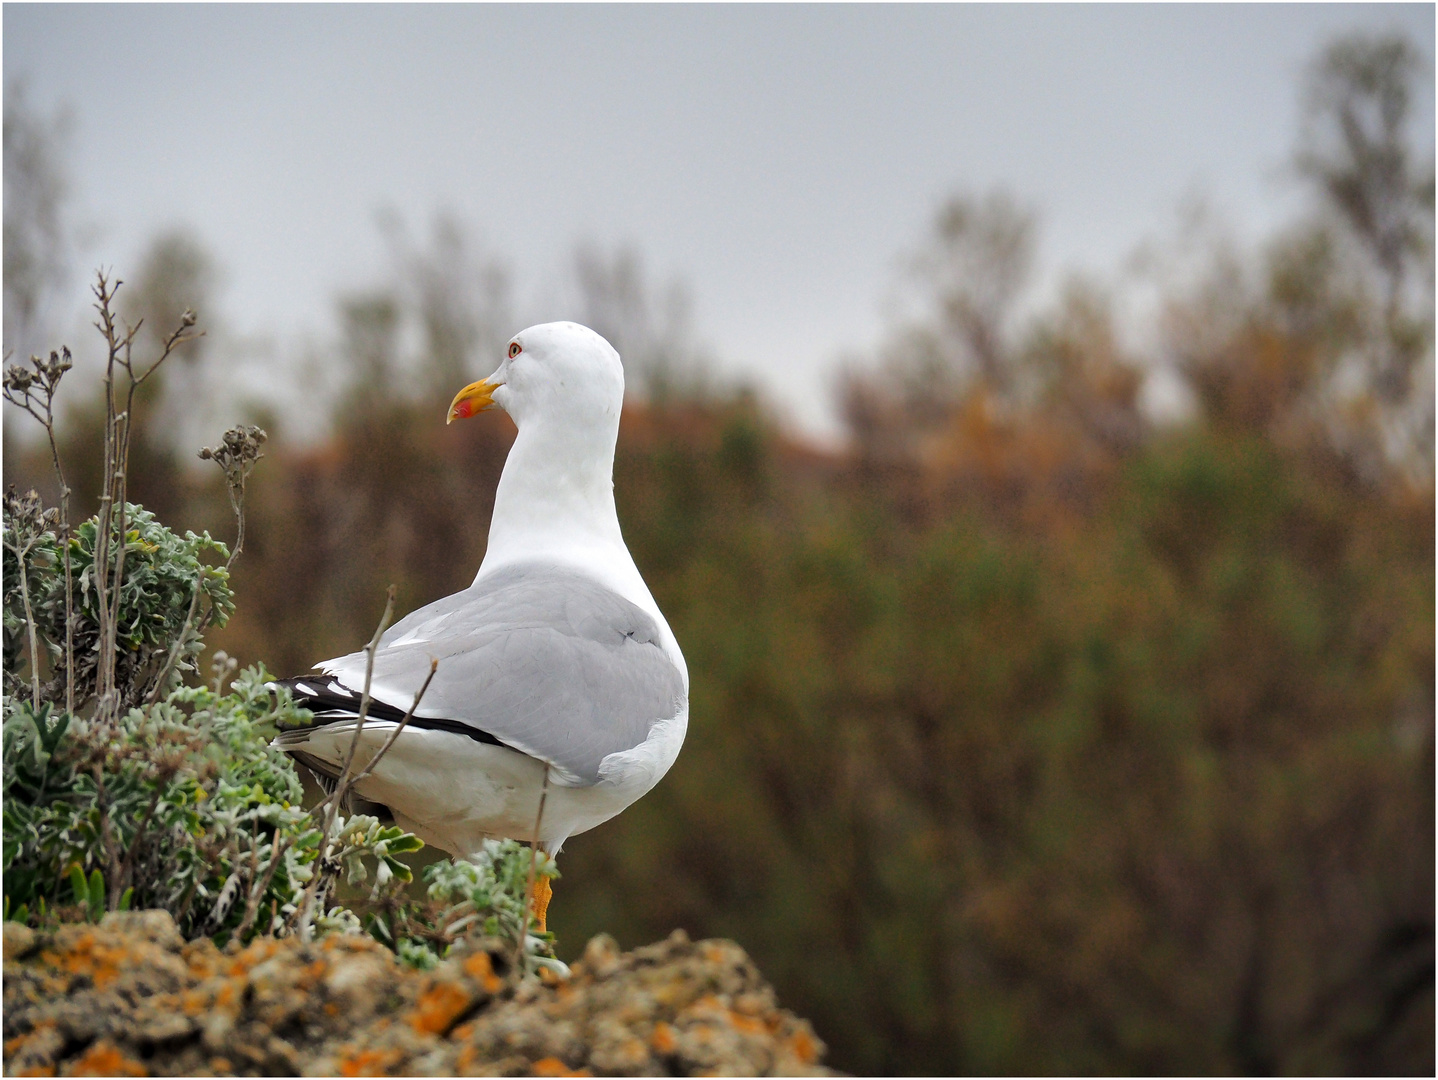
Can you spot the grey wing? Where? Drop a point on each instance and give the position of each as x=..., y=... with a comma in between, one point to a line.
x=546, y=660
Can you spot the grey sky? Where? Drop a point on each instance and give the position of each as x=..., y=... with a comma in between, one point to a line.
x=780, y=159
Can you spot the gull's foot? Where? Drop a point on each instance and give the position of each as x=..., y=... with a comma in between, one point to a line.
x=543, y=891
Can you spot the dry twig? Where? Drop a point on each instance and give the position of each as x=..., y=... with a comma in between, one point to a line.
x=347, y=779
x=118, y=429
x=33, y=389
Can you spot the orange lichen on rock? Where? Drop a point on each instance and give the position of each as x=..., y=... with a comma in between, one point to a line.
x=438, y=1007
x=19, y=1043
x=104, y=1058
x=89, y=957
x=346, y=1006
x=468, y=1061
x=662, y=1038
x=552, y=1066
x=747, y=1024
x=370, y=1063
x=481, y=968
x=804, y=1046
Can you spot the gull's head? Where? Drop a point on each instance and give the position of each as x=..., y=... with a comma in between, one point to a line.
x=560, y=370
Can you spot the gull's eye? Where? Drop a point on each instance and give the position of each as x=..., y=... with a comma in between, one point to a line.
x=514, y=349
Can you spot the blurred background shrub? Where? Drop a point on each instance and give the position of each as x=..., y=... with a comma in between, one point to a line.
x=1036, y=730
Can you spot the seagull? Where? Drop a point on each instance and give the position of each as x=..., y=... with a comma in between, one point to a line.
x=557, y=683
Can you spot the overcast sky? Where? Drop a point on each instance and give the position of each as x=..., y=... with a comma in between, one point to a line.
x=780, y=160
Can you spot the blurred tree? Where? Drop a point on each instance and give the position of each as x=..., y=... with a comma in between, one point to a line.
x=369, y=348
x=971, y=278
x=977, y=271
x=959, y=374
x=1123, y=794
x=173, y=408
x=965, y=398
x=1357, y=149
x=457, y=295
x=1329, y=346
x=39, y=243
x=176, y=274
x=651, y=327
x=1082, y=369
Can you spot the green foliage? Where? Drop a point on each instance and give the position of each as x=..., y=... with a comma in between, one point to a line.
x=1061, y=794
x=29, y=539
x=362, y=836
x=484, y=898
x=145, y=791
x=161, y=795
x=183, y=806
x=191, y=804
x=89, y=895
x=166, y=579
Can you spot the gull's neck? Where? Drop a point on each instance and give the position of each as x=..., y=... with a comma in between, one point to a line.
x=556, y=497
x=555, y=503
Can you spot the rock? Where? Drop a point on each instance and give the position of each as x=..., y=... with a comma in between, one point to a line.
x=164, y=1028
x=354, y=983
x=129, y=995
x=601, y=956
x=153, y=926
x=20, y=941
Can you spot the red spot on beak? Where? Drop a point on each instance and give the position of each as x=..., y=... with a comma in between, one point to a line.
x=474, y=398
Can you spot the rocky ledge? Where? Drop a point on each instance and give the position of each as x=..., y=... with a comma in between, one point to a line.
x=129, y=997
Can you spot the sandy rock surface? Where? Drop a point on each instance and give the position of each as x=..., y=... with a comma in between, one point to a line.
x=129, y=997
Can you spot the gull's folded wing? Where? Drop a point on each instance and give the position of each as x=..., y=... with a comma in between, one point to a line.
x=542, y=659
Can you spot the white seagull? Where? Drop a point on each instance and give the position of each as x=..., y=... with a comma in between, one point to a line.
x=556, y=669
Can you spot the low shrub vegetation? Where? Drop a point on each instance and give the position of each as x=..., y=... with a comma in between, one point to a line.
x=130, y=784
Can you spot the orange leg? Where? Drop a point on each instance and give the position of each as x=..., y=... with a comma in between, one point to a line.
x=543, y=892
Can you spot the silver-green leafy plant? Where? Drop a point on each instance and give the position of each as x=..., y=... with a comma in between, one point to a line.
x=156, y=642
x=180, y=805
x=32, y=387
x=29, y=542
x=486, y=898
x=124, y=787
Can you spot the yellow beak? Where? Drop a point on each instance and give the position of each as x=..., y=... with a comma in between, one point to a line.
x=474, y=398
